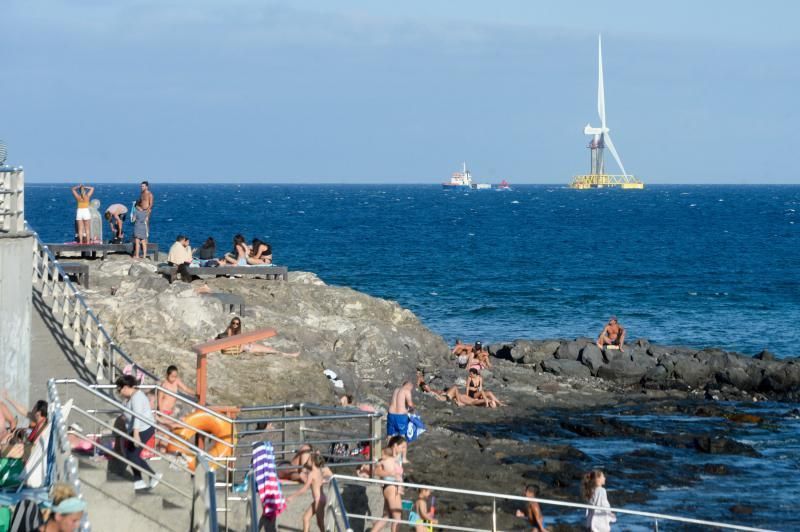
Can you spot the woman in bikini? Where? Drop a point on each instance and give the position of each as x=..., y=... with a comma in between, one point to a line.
x=260, y=253
x=389, y=468
x=234, y=328
x=475, y=390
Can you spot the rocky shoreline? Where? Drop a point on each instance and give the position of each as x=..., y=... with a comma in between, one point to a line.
x=560, y=392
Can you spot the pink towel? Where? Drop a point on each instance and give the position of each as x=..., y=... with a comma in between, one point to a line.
x=266, y=478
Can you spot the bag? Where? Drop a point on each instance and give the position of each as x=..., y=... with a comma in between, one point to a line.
x=339, y=452
x=235, y=350
x=415, y=427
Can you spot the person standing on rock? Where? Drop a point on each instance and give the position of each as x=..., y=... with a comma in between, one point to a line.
x=613, y=334
x=401, y=421
x=594, y=493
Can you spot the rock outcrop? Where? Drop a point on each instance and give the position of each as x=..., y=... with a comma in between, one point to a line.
x=719, y=373
x=370, y=343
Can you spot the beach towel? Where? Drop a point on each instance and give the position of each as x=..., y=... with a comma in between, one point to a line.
x=415, y=427
x=266, y=479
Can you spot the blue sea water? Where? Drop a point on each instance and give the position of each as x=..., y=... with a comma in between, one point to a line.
x=692, y=265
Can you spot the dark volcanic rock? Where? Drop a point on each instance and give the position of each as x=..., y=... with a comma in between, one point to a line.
x=765, y=355
x=568, y=351
x=566, y=368
x=622, y=370
x=722, y=445
x=592, y=357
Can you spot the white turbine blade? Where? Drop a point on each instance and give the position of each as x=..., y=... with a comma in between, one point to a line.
x=610, y=146
x=601, y=92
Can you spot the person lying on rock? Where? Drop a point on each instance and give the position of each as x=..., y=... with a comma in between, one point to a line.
x=234, y=328
x=475, y=390
x=461, y=349
x=613, y=334
x=425, y=388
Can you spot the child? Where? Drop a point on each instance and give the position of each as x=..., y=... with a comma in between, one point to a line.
x=421, y=515
x=594, y=493
x=390, y=468
x=173, y=383
x=314, y=480
x=533, y=513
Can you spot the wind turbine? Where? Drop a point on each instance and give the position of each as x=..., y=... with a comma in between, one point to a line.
x=600, y=135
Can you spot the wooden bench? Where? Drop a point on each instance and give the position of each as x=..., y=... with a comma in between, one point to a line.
x=93, y=250
x=229, y=301
x=77, y=269
x=268, y=272
x=213, y=346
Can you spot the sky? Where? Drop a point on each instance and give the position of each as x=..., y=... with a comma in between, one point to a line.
x=357, y=91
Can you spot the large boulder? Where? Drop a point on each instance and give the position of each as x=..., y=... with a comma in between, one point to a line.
x=691, y=371
x=622, y=370
x=566, y=368
x=592, y=357
x=568, y=351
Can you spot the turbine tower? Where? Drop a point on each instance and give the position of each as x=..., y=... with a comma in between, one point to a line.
x=601, y=139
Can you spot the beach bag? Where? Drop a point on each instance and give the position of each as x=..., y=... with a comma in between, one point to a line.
x=415, y=427
x=235, y=350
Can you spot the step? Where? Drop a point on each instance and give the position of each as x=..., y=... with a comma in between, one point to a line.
x=115, y=505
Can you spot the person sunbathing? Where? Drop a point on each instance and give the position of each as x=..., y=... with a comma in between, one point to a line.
x=479, y=358
x=260, y=253
x=425, y=388
x=234, y=328
x=613, y=334
x=475, y=390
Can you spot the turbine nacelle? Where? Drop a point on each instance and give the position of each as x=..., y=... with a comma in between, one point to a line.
x=589, y=130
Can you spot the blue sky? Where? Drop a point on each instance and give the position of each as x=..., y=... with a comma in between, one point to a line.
x=371, y=91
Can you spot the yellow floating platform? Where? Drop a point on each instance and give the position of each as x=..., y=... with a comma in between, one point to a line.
x=583, y=182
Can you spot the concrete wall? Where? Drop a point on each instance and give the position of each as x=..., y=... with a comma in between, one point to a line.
x=16, y=270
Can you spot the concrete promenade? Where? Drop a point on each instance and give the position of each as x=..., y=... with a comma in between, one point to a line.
x=52, y=352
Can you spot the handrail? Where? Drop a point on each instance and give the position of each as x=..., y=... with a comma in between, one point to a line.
x=88, y=388
x=47, y=272
x=66, y=466
x=550, y=502
x=12, y=200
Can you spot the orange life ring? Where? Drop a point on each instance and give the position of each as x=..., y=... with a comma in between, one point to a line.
x=210, y=424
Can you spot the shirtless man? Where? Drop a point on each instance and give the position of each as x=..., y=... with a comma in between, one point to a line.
x=613, y=334
x=532, y=513
x=146, y=203
x=461, y=349
x=166, y=402
x=401, y=405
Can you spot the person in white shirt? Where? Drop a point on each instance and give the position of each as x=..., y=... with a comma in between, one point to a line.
x=594, y=493
x=180, y=255
x=140, y=426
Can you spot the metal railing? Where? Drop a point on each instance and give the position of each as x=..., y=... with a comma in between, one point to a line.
x=65, y=466
x=202, y=493
x=12, y=200
x=648, y=517
x=102, y=357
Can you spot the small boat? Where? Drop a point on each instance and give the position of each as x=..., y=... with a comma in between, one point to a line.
x=503, y=185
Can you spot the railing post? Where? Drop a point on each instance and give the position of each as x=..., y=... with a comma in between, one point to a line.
x=494, y=514
x=375, y=442
x=302, y=424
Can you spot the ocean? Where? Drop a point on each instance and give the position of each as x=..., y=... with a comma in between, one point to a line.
x=687, y=265
x=690, y=265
